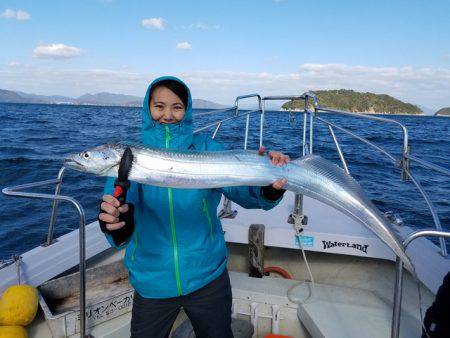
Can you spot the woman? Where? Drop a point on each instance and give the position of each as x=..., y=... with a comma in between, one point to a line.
x=175, y=248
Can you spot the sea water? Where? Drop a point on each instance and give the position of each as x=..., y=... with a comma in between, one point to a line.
x=34, y=139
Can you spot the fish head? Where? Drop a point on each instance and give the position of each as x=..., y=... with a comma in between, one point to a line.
x=99, y=160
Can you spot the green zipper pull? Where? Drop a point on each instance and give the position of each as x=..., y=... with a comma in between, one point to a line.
x=167, y=137
x=208, y=217
x=135, y=245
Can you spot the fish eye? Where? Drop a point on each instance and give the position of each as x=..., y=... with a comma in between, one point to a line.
x=86, y=155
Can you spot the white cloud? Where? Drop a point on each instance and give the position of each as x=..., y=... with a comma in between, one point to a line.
x=184, y=45
x=402, y=81
x=56, y=51
x=154, y=23
x=14, y=63
x=72, y=82
x=22, y=15
x=8, y=14
x=426, y=86
x=17, y=15
x=203, y=26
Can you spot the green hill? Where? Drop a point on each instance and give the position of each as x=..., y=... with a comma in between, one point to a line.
x=349, y=100
x=443, y=111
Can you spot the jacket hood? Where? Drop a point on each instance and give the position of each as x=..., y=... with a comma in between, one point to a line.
x=177, y=135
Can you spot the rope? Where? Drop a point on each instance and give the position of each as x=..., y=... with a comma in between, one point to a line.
x=298, y=227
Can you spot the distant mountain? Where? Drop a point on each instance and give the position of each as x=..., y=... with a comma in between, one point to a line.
x=13, y=97
x=109, y=99
x=204, y=104
x=353, y=101
x=99, y=99
x=52, y=99
x=443, y=112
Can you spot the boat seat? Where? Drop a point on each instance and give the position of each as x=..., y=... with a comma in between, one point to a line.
x=335, y=311
x=240, y=328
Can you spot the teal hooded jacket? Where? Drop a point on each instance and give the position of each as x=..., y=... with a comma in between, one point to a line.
x=178, y=245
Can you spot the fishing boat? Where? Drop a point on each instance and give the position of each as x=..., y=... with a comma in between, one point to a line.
x=302, y=269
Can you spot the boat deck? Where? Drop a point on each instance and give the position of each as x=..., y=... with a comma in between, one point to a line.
x=331, y=311
x=330, y=231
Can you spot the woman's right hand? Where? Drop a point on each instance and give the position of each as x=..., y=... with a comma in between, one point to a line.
x=111, y=211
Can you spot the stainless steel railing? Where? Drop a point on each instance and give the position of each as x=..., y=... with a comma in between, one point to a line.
x=403, y=162
x=55, y=207
x=17, y=191
x=227, y=211
x=396, y=312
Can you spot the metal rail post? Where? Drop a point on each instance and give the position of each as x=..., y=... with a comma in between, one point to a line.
x=227, y=211
x=16, y=192
x=54, y=207
x=311, y=128
x=338, y=147
x=262, y=106
x=396, y=313
x=305, y=123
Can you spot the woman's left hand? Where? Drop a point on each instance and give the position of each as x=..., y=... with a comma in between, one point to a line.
x=278, y=159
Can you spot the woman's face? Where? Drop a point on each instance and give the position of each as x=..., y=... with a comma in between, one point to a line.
x=166, y=106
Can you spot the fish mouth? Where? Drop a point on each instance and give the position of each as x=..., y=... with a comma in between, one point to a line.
x=70, y=162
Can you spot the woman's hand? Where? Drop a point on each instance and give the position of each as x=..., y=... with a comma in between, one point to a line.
x=112, y=211
x=278, y=159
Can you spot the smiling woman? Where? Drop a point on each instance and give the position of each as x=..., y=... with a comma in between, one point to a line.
x=175, y=247
x=168, y=102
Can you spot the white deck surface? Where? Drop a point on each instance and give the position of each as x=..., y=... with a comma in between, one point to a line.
x=332, y=311
x=329, y=226
x=335, y=312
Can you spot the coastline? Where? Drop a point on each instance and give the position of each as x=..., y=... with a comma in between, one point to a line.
x=89, y=105
x=364, y=113
x=203, y=108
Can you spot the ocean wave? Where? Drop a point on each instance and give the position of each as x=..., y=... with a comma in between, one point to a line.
x=36, y=138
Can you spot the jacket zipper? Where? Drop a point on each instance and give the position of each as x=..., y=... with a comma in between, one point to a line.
x=135, y=245
x=172, y=227
x=206, y=211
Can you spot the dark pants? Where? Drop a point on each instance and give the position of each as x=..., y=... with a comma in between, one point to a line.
x=208, y=308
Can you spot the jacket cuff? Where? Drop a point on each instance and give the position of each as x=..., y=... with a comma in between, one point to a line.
x=272, y=194
x=120, y=236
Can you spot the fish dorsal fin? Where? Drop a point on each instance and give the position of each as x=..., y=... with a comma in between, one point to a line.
x=331, y=171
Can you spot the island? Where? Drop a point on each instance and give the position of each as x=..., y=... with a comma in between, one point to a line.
x=353, y=101
x=443, y=112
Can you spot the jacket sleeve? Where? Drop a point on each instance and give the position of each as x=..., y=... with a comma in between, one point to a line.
x=248, y=197
x=132, y=198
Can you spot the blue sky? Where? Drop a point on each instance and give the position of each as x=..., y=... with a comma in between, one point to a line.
x=226, y=48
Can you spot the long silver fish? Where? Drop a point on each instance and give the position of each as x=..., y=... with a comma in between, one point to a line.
x=310, y=175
